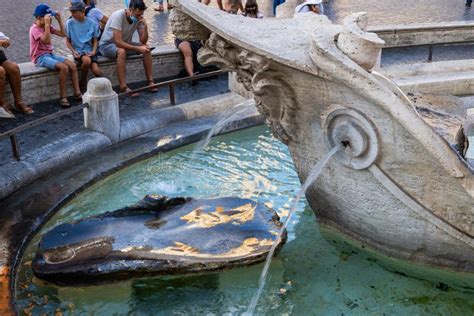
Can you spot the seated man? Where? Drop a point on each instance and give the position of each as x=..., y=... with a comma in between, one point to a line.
x=9, y=70
x=116, y=41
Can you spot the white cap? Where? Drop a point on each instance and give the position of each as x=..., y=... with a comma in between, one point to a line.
x=299, y=8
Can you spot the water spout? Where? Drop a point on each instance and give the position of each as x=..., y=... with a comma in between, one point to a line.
x=313, y=175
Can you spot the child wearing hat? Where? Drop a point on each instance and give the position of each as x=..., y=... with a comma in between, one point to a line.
x=41, y=51
x=82, y=39
x=9, y=70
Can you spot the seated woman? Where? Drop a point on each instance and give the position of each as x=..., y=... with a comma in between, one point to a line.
x=9, y=70
x=314, y=6
x=251, y=10
x=189, y=50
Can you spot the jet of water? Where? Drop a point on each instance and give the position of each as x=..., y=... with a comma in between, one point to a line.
x=224, y=120
x=313, y=175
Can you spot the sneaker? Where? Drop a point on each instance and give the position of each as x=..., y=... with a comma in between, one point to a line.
x=5, y=114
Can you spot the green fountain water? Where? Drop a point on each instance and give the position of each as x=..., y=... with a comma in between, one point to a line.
x=310, y=276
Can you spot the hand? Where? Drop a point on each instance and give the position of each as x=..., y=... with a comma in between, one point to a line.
x=5, y=43
x=143, y=49
x=90, y=54
x=142, y=21
x=58, y=16
x=76, y=54
x=47, y=19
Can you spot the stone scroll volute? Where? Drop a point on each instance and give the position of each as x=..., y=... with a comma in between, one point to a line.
x=274, y=97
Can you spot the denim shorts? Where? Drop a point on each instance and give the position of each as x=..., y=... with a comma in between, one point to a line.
x=110, y=50
x=49, y=61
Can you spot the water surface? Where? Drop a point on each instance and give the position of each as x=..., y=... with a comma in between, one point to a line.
x=310, y=276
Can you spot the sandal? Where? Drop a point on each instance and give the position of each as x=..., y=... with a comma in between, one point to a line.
x=64, y=102
x=25, y=109
x=152, y=89
x=77, y=97
x=129, y=92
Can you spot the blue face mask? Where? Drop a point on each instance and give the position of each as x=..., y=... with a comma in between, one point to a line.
x=134, y=19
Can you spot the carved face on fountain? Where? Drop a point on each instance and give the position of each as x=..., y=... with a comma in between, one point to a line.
x=158, y=235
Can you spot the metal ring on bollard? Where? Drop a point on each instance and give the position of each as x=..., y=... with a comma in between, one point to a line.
x=356, y=134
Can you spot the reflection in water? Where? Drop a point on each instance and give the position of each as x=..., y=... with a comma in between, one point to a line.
x=309, y=276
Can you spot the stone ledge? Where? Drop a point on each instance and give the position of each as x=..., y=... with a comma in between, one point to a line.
x=40, y=84
x=454, y=77
x=57, y=155
x=426, y=33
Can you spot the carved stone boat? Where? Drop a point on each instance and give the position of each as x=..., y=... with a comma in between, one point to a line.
x=401, y=185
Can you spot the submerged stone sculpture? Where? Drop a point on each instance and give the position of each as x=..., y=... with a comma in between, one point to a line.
x=401, y=185
x=158, y=236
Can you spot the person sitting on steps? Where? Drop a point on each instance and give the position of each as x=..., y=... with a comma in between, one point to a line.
x=116, y=42
x=82, y=38
x=9, y=70
x=41, y=51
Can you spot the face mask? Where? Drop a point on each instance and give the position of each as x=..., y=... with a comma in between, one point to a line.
x=134, y=19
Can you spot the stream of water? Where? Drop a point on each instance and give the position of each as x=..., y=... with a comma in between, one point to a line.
x=312, y=177
x=311, y=275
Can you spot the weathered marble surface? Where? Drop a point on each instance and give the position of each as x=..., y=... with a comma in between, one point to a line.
x=158, y=236
x=399, y=186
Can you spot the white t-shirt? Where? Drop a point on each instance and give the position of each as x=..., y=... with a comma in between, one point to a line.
x=118, y=21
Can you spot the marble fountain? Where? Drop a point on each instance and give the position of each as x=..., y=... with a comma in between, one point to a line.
x=403, y=185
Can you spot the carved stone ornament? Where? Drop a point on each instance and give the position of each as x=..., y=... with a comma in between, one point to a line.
x=185, y=28
x=273, y=96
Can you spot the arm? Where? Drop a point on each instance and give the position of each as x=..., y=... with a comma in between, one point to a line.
x=219, y=4
x=143, y=31
x=121, y=44
x=71, y=48
x=62, y=31
x=46, y=37
x=104, y=19
x=94, y=47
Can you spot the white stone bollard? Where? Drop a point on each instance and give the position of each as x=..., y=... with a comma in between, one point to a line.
x=102, y=115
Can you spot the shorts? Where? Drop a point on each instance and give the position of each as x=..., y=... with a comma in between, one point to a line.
x=3, y=58
x=110, y=50
x=49, y=61
x=93, y=59
x=195, y=45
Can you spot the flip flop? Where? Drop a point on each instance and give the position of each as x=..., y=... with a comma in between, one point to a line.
x=64, y=102
x=152, y=89
x=129, y=92
x=25, y=109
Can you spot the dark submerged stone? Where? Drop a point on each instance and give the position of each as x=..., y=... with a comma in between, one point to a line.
x=158, y=236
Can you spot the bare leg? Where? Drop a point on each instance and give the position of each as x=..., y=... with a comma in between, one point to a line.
x=121, y=58
x=206, y=2
x=63, y=70
x=185, y=49
x=3, y=77
x=86, y=64
x=96, y=70
x=14, y=76
x=148, y=65
x=13, y=73
x=74, y=77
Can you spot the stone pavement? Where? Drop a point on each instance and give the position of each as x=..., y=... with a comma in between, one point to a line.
x=129, y=107
x=409, y=55
x=16, y=20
